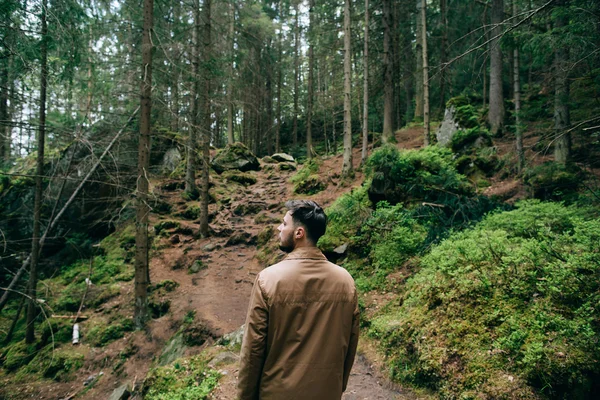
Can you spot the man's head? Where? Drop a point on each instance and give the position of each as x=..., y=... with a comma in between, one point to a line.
x=303, y=225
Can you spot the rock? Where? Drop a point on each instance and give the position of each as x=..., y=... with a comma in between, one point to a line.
x=197, y=266
x=209, y=247
x=121, y=393
x=269, y=160
x=235, y=156
x=172, y=351
x=264, y=236
x=341, y=249
x=92, y=378
x=240, y=237
x=286, y=166
x=223, y=358
x=447, y=128
x=283, y=157
x=249, y=208
x=240, y=177
x=174, y=239
x=311, y=185
x=170, y=160
x=233, y=338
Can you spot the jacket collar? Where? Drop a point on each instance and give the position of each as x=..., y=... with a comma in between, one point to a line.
x=311, y=253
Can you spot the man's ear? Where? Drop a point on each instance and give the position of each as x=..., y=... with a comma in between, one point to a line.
x=300, y=233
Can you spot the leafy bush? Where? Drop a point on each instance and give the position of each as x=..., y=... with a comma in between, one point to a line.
x=468, y=136
x=428, y=175
x=184, y=379
x=554, y=181
x=505, y=310
x=345, y=217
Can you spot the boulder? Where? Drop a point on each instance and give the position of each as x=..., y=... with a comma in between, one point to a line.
x=121, y=393
x=235, y=156
x=170, y=161
x=226, y=357
x=233, y=338
x=283, y=157
x=448, y=127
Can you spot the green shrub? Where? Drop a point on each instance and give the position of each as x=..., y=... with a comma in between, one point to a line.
x=184, y=379
x=468, y=136
x=428, y=174
x=345, y=217
x=554, y=181
x=511, y=297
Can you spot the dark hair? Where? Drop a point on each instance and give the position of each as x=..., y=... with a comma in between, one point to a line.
x=310, y=215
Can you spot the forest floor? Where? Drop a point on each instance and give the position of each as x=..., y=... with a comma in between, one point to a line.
x=219, y=293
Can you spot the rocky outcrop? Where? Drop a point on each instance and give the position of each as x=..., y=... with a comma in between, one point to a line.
x=235, y=156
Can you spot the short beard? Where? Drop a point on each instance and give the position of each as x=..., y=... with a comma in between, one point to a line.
x=288, y=248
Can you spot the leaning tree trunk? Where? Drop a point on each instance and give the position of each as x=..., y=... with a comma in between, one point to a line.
x=347, y=158
x=388, y=93
x=192, y=149
x=443, y=53
x=425, y=73
x=37, y=207
x=206, y=120
x=562, y=120
x=365, y=136
x=141, y=314
x=496, y=112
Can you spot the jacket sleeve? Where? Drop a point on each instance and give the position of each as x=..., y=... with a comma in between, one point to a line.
x=349, y=361
x=254, y=344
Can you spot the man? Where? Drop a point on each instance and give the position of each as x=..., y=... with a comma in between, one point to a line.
x=302, y=326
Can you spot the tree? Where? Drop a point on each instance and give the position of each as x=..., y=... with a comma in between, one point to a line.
x=37, y=208
x=562, y=119
x=141, y=312
x=311, y=62
x=365, y=136
x=347, y=158
x=425, y=72
x=496, y=112
x=296, y=67
x=517, y=100
x=206, y=120
x=419, y=84
x=192, y=146
x=230, y=113
x=388, y=97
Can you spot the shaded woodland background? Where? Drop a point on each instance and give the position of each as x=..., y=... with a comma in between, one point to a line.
x=98, y=98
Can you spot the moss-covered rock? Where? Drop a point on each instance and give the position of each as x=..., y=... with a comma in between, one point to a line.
x=264, y=236
x=59, y=364
x=235, y=156
x=165, y=225
x=102, y=334
x=18, y=355
x=242, y=178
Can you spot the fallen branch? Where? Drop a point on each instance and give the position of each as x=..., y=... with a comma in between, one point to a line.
x=53, y=223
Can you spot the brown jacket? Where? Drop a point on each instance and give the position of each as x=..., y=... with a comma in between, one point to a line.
x=301, y=330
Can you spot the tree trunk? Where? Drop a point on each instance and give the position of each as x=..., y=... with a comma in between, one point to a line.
x=419, y=74
x=176, y=66
x=365, y=135
x=443, y=54
x=279, y=82
x=425, y=73
x=37, y=207
x=192, y=150
x=388, y=94
x=230, y=137
x=496, y=112
x=562, y=120
x=141, y=312
x=309, y=106
x=347, y=157
x=4, y=123
x=206, y=118
x=296, y=70
x=517, y=97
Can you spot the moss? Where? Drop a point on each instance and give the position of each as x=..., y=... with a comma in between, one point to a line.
x=165, y=225
x=191, y=213
x=311, y=185
x=57, y=331
x=264, y=236
x=306, y=180
x=189, y=378
x=104, y=294
x=553, y=181
x=101, y=335
x=167, y=285
x=242, y=178
x=18, y=355
x=59, y=364
x=464, y=138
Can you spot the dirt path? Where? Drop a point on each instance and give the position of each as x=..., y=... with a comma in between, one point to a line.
x=219, y=294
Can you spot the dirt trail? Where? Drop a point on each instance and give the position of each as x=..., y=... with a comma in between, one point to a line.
x=219, y=294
